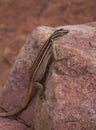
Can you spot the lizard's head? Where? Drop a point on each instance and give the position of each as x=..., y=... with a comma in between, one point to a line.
x=58, y=33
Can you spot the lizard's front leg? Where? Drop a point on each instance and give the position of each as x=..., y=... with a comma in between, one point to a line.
x=59, y=54
x=55, y=53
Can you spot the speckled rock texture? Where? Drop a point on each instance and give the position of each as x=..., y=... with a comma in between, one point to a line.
x=69, y=101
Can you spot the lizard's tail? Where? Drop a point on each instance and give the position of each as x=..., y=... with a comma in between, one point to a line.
x=11, y=113
x=21, y=107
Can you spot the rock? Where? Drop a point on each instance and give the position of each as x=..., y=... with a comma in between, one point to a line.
x=69, y=100
x=6, y=124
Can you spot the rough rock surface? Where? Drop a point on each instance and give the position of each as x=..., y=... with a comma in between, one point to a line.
x=69, y=100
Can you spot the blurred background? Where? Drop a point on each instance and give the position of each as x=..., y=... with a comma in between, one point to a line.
x=19, y=17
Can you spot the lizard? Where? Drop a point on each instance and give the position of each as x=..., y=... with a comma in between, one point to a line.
x=38, y=70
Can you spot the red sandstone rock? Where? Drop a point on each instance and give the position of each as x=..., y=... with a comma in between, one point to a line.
x=70, y=96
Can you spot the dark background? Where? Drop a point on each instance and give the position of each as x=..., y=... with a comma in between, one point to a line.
x=19, y=17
